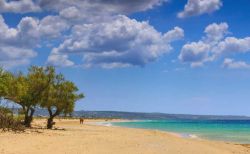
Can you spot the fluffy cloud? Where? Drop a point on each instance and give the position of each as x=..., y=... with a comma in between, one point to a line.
x=93, y=35
x=12, y=51
x=17, y=44
x=216, y=32
x=214, y=45
x=198, y=7
x=71, y=13
x=84, y=11
x=18, y=6
x=232, y=64
x=6, y=33
x=30, y=30
x=233, y=45
x=52, y=26
x=119, y=42
x=13, y=56
x=103, y=6
x=60, y=60
x=89, y=7
x=195, y=53
x=174, y=34
x=85, y=6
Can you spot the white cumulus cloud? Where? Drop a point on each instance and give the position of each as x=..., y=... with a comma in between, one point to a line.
x=213, y=45
x=118, y=42
x=12, y=51
x=103, y=6
x=215, y=32
x=195, y=53
x=233, y=45
x=99, y=31
x=18, y=44
x=18, y=6
x=232, y=64
x=199, y=7
x=60, y=60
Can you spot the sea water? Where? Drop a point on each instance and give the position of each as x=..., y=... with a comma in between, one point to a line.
x=224, y=130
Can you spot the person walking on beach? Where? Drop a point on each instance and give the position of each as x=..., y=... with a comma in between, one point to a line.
x=81, y=120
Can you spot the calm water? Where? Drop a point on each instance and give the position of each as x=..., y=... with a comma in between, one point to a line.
x=225, y=130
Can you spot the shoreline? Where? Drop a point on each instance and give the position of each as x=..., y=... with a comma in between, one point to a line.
x=71, y=137
x=179, y=134
x=109, y=124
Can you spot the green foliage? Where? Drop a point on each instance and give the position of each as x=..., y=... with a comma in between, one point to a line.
x=38, y=80
x=41, y=87
x=5, y=82
x=60, y=97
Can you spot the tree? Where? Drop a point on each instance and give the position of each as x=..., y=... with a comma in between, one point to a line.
x=38, y=79
x=40, y=87
x=60, y=98
x=12, y=87
x=27, y=90
x=7, y=87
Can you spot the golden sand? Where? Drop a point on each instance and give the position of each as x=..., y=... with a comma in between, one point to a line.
x=95, y=139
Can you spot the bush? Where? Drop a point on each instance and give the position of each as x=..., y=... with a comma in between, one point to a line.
x=8, y=122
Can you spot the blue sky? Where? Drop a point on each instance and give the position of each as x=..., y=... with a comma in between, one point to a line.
x=171, y=56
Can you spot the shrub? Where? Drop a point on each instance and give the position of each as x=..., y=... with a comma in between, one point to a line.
x=8, y=122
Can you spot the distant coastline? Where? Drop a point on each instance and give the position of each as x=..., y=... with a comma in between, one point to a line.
x=143, y=115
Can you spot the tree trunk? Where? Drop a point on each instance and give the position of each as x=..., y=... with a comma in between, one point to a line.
x=50, y=121
x=29, y=112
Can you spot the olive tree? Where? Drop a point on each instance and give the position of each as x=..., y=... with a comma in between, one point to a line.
x=37, y=80
x=27, y=90
x=60, y=98
x=7, y=87
x=40, y=87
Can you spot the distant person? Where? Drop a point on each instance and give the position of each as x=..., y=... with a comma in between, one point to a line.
x=81, y=120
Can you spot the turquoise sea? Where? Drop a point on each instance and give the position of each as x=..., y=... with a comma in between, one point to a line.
x=224, y=130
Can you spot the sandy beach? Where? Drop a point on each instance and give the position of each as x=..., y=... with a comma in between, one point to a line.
x=73, y=138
